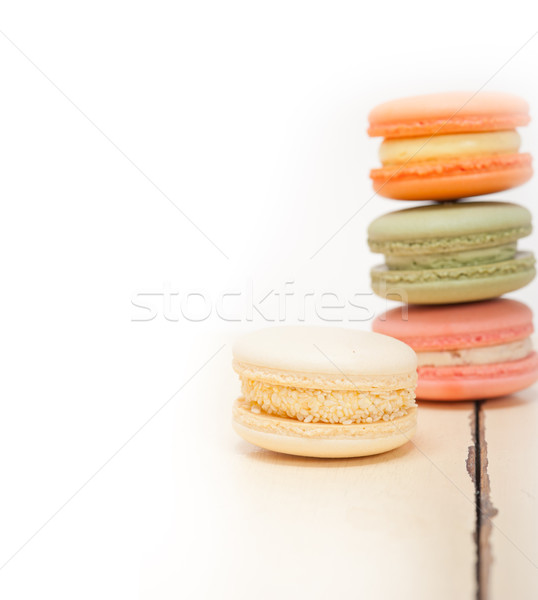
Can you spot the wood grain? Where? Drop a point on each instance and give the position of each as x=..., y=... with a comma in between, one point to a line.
x=512, y=450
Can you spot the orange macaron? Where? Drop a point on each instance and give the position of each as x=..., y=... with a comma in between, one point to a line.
x=450, y=146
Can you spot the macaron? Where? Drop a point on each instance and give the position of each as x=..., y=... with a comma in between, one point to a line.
x=324, y=392
x=451, y=252
x=467, y=351
x=449, y=146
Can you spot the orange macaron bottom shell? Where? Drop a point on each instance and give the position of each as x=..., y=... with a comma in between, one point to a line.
x=476, y=382
x=452, y=179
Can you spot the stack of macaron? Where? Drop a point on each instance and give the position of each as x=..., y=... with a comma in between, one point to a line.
x=330, y=392
x=452, y=259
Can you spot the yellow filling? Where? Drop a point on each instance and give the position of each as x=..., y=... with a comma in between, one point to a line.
x=326, y=406
x=420, y=149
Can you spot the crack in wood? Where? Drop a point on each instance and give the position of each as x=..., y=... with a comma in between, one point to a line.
x=477, y=467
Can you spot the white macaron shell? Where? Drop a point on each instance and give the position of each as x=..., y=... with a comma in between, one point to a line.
x=327, y=350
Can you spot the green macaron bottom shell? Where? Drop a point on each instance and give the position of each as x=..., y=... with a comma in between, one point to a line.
x=454, y=285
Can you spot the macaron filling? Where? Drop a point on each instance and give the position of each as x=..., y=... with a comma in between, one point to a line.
x=480, y=256
x=498, y=353
x=327, y=405
x=440, y=147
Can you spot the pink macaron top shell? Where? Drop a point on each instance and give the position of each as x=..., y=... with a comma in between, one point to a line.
x=455, y=326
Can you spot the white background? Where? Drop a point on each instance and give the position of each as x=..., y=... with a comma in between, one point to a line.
x=250, y=117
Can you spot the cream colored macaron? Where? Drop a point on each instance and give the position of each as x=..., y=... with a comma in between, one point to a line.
x=325, y=392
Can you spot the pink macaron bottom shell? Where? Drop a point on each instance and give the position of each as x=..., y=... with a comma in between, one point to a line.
x=477, y=382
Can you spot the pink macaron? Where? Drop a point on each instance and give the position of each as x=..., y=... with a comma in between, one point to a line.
x=467, y=351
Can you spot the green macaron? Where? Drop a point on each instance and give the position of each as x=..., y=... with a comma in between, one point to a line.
x=452, y=252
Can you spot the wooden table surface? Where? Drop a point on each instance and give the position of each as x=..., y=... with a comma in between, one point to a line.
x=399, y=525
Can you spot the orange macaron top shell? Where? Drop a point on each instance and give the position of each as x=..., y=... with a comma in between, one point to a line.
x=452, y=112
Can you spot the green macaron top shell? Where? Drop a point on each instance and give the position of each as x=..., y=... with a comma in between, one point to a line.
x=449, y=227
